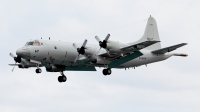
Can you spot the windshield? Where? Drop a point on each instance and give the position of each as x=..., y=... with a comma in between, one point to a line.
x=33, y=43
x=36, y=43
x=29, y=43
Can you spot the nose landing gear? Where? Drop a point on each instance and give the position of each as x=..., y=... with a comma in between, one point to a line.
x=62, y=78
x=107, y=71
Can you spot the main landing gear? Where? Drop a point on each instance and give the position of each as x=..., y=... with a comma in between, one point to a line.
x=107, y=71
x=38, y=70
x=62, y=78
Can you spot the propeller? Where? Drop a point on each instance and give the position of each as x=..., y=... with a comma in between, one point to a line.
x=80, y=50
x=103, y=44
x=17, y=60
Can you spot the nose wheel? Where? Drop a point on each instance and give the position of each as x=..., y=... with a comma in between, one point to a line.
x=107, y=71
x=62, y=78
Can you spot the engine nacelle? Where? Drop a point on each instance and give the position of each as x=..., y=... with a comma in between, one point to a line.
x=114, y=46
x=55, y=68
x=89, y=51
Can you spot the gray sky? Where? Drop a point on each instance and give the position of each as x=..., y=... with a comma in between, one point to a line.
x=172, y=85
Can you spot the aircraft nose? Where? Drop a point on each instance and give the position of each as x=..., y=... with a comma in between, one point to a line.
x=23, y=52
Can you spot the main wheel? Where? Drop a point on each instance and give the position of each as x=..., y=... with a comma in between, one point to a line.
x=38, y=70
x=105, y=72
x=64, y=78
x=109, y=71
x=60, y=79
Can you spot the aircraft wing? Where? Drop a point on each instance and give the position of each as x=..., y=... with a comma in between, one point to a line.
x=131, y=48
x=139, y=46
x=168, y=49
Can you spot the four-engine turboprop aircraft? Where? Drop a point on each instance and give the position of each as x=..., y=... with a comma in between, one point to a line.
x=58, y=56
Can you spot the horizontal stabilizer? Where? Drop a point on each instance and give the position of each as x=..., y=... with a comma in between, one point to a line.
x=139, y=46
x=168, y=49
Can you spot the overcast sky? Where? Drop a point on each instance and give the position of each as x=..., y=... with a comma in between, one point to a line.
x=168, y=86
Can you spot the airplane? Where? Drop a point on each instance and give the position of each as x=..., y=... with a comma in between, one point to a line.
x=57, y=56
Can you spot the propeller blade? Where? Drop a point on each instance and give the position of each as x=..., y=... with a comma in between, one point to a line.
x=98, y=51
x=108, y=52
x=75, y=46
x=12, y=55
x=85, y=56
x=107, y=37
x=97, y=38
x=13, y=67
x=76, y=58
x=84, y=43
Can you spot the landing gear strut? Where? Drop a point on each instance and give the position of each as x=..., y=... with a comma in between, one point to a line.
x=107, y=71
x=62, y=78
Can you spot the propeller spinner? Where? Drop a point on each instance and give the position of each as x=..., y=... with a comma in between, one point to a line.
x=103, y=44
x=80, y=50
x=17, y=60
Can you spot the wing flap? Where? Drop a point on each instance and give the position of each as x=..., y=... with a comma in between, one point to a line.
x=124, y=59
x=168, y=49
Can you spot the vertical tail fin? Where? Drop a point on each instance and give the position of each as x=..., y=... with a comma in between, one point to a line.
x=151, y=34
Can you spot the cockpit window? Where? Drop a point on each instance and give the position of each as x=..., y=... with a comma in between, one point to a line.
x=36, y=44
x=30, y=43
x=33, y=43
